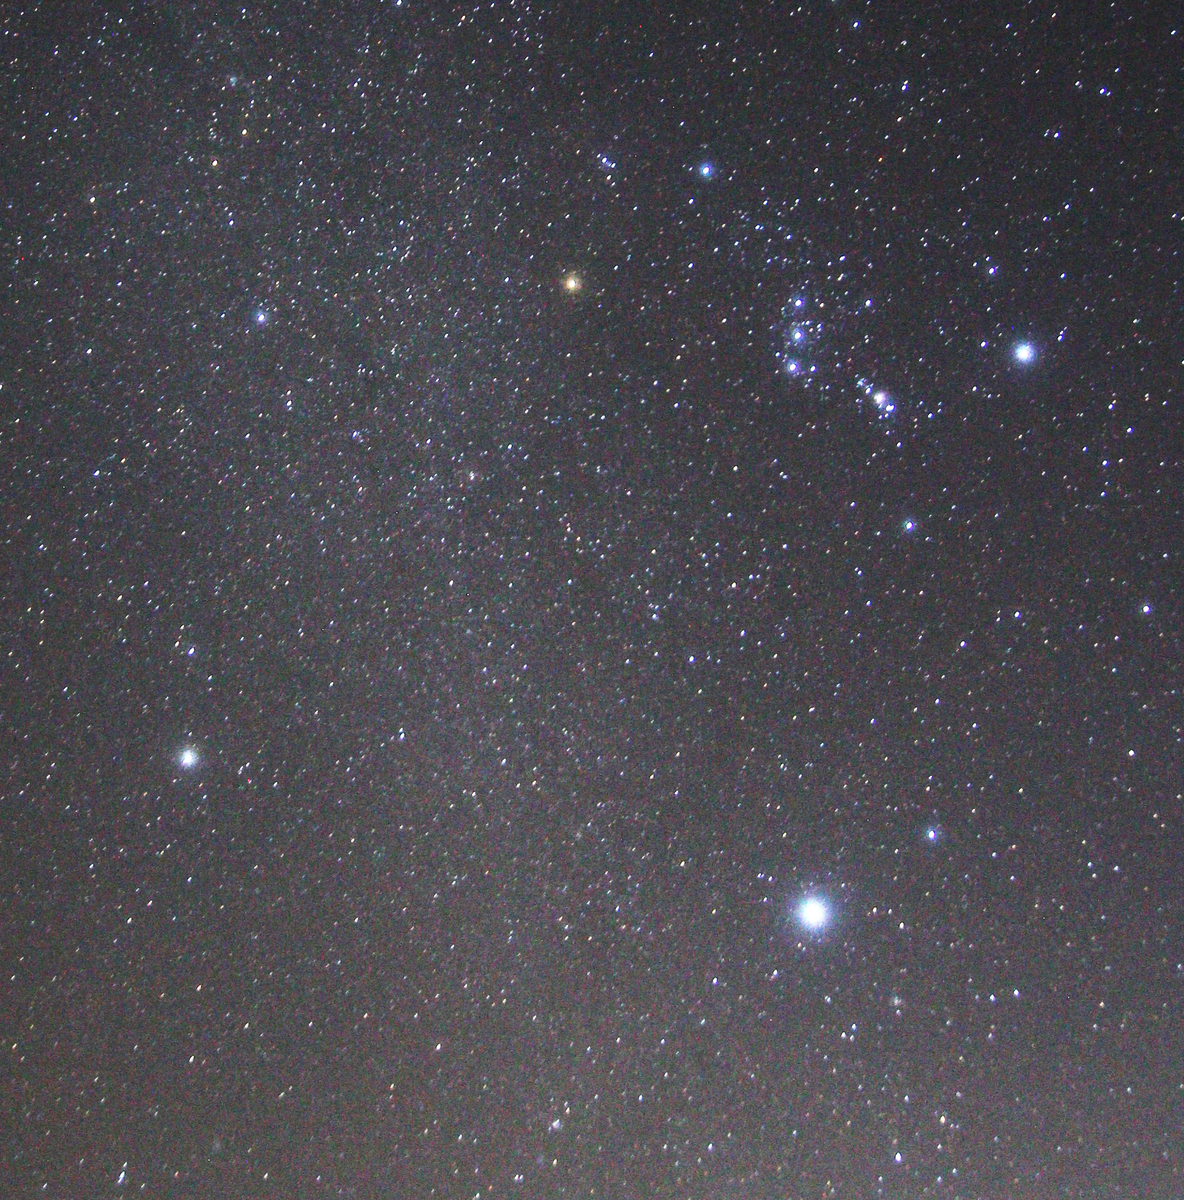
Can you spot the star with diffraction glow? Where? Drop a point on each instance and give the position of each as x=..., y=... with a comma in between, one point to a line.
x=813, y=913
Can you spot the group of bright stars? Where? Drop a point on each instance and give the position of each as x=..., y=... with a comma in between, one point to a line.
x=813, y=912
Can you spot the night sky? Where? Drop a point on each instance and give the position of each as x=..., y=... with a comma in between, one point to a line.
x=591, y=601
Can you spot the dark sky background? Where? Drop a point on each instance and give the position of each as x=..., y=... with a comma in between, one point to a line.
x=503, y=504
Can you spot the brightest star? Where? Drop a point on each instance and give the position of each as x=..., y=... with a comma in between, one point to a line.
x=813, y=913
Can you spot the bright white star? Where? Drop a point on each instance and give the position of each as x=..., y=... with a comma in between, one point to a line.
x=189, y=758
x=813, y=913
x=1024, y=352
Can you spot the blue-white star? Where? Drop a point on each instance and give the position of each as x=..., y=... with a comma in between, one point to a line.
x=813, y=913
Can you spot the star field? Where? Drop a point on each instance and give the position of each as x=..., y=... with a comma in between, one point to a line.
x=592, y=602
